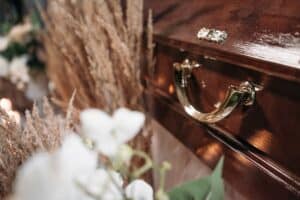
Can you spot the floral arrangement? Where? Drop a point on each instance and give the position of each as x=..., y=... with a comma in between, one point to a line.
x=94, y=48
x=42, y=130
x=98, y=45
x=95, y=164
x=19, y=51
x=6, y=105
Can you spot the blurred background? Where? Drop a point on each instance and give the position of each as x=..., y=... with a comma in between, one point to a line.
x=22, y=73
x=13, y=11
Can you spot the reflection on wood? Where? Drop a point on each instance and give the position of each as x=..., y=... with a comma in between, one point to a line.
x=262, y=140
x=261, y=143
x=185, y=165
x=210, y=151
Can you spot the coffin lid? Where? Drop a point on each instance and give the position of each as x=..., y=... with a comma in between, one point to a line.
x=263, y=35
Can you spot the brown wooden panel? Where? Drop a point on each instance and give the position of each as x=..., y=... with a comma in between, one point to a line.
x=272, y=124
x=261, y=143
x=268, y=131
x=242, y=175
x=263, y=35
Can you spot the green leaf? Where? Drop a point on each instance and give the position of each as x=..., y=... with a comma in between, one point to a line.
x=5, y=27
x=208, y=188
x=193, y=190
x=217, y=184
x=14, y=49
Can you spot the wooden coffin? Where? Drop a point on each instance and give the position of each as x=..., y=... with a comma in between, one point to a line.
x=260, y=142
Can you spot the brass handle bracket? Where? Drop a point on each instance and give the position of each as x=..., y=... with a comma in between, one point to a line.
x=243, y=94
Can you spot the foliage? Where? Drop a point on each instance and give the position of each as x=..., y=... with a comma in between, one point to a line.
x=90, y=166
x=208, y=188
x=77, y=169
x=5, y=27
x=27, y=41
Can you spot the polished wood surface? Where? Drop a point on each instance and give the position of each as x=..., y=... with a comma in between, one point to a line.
x=272, y=124
x=269, y=128
x=263, y=35
x=166, y=147
x=240, y=173
x=261, y=143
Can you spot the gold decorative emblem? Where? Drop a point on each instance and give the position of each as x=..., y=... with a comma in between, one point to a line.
x=212, y=35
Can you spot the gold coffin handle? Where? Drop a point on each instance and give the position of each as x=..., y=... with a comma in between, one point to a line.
x=242, y=94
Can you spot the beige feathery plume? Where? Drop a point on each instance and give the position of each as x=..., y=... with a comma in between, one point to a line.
x=96, y=47
x=41, y=132
x=150, y=46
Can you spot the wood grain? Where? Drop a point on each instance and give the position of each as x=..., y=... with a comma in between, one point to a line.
x=261, y=143
x=263, y=35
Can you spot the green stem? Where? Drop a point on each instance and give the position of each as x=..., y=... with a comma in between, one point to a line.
x=161, y=194
x=147, y=166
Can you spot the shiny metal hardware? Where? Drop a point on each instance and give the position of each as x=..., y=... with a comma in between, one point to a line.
x=242, y=94
x=212, y=35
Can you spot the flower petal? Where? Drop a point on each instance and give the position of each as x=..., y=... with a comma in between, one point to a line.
x=18, y=32
x=53, y=176
x=4, y=42
x=18, y=70
x=127, y=124
x=104, y=183
x=96, y=124
x=73, y=158
x=108, y=146
x=34, y=179
x=139, y=190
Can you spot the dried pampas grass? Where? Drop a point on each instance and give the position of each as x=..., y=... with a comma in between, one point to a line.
x=41, y=132
x=95, y=47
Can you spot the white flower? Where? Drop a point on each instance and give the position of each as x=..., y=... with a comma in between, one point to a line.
x=3, y=66
x=139, y=190
x=15, y=115
x=19, y=32
x=127, y=123
x=35, y=179
x=53, y=176
x=74, y=158
x=109, y=133
x=71, y=173
x=5, y=104
x=18, y=71
x=18, y=68
x=104, y=184
x=4, y=42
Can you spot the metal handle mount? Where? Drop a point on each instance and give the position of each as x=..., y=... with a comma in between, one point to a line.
x=243, y=94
